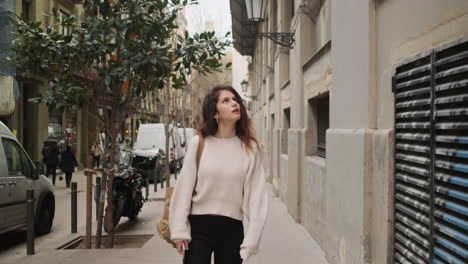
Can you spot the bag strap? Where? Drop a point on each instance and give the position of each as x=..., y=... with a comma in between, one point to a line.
x=201, y=145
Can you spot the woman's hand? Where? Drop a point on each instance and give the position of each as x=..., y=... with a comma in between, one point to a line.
x=181, y=246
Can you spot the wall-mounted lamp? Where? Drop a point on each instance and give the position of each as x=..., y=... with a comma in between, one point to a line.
x=244, y=85
x=254, y=15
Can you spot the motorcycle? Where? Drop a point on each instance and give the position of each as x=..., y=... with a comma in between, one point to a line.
x=127, y=196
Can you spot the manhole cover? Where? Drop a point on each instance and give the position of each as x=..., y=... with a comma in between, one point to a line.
x=120, y=241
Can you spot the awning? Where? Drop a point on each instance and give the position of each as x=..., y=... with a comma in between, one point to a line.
x=244, y=32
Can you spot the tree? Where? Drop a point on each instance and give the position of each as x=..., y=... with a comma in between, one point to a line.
x=122, y=50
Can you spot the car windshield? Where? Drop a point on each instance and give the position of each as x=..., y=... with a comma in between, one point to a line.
x=125, y=159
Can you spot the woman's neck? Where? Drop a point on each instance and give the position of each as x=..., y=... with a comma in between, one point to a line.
x=226, y=130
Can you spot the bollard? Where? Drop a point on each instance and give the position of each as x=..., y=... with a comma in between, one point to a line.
x=155, y=179
x=74, y=207
x=97, y=194
x=157, y=173
x=89, y=206
x=162, y=179
x=30, y=221
x=161, y=175
x=147, y=187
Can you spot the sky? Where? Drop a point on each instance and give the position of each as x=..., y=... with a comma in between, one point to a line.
x=216, y=10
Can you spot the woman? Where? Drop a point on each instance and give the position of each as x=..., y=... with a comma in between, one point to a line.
x=50, y=153
x=96, y=152
x=207, y=208
x=68, y=163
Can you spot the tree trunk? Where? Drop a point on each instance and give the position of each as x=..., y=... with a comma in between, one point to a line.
x=113, y=125
x=167, y=122
x=109, y=211
x=101, y=209
x=110, y=198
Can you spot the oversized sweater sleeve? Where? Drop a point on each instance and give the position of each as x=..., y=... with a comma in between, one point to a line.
x=254, y=206
x=181, y=200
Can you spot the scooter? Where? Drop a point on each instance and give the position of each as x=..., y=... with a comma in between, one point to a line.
x=127, y=194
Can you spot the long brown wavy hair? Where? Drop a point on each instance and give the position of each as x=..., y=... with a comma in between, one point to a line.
x=209, y=126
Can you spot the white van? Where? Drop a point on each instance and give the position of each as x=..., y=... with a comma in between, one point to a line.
x=17, y=174
x=153, y=137
x=189, y=134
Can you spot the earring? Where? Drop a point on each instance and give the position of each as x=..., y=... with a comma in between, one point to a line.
x=217, y=122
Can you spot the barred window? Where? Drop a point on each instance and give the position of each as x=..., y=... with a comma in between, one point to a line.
x=323, y=123
x=284, y=132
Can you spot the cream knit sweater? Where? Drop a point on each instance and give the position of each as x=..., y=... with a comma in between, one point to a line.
x=231, y=182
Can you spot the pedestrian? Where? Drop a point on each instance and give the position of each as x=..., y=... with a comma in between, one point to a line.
x=68, y=163
x=50, y=157
x=96, y=153
x=212, y=199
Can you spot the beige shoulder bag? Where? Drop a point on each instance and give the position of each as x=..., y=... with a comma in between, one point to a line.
x=163, y=224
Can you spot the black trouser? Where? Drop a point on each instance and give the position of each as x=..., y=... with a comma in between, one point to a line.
x=51, y=169
x=68, y=177
x=213, y=233
x=96, y=161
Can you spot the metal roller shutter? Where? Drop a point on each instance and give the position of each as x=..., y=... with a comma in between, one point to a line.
x=431, y=157
x=451, y=154
x=412, y=87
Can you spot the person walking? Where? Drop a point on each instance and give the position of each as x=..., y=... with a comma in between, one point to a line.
x=68, y=163
x=50, y=157
x=96, y=152
x=212, y=199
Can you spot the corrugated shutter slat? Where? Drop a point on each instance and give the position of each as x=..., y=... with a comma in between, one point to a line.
x=412, y=160
x=450, y=197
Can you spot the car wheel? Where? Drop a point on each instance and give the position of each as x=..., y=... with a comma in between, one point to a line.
x=46, y=217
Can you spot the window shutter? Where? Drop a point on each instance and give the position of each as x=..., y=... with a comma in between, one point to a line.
x=451, y=154
x=431, y=157
x=412, y=230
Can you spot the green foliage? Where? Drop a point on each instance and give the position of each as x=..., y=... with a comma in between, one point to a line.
x=133, y=41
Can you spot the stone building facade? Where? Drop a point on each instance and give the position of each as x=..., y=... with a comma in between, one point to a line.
x=33, y=123
x=326, y=111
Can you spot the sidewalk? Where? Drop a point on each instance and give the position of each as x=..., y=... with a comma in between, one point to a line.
x=283, y=240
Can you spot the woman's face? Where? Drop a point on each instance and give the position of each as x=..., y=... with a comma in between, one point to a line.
x=228, y=107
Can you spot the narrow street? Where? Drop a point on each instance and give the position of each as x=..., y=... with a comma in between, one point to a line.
x=283, y=241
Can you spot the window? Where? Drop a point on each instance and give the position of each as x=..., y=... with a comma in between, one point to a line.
x=272, y=121
x=323, y=123
x=13, y=157
x=287, y=14
x=62, y=15
x=284, y=132
x=26, y=164
x=274, y=27
x=55, y=123
x=293, y=8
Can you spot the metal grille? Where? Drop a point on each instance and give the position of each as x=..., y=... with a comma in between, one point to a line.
x=451, y=154
x=412, y=86
x=431, y=157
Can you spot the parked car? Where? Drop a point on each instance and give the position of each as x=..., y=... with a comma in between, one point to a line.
x=152, y=137
x=17, y=174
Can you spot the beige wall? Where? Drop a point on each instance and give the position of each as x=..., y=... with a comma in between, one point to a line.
x=413, y=32
x=239, y=71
